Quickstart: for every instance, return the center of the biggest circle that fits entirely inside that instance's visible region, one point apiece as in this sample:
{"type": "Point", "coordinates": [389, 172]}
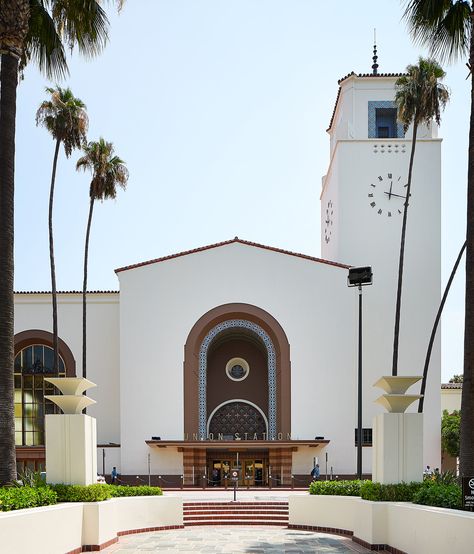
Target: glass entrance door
{"type": "Point", "coordinates": [252, 470]}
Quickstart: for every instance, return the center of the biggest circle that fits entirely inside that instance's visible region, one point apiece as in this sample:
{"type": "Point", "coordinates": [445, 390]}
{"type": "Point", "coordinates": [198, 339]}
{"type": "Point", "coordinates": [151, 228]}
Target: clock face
{"type": "Point", "coordinates": [328, 221]}
{"type": "Point", "coordinates": [387, 194]}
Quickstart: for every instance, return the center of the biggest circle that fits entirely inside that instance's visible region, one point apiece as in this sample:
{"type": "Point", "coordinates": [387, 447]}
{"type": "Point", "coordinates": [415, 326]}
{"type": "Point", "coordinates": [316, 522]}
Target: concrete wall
{"type": "Point", "coordinates": [66, 527]}
{"type": "Point", "coordinates": [33, 311]}
{"type": "Point", "coordinates": [408, 527]}
{"type": "Point", "coordinates": [161, 302]}
{"type": "Point", "coordinates": [450, 400]}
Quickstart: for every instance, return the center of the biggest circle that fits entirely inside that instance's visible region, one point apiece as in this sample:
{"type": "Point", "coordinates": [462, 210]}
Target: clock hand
{"type": "Point", "coordinates": [393, 194]}
{"type": "Point", "coordinates": [390, 193]}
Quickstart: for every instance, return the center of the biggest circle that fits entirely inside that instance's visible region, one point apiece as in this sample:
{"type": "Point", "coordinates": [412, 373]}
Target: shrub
{"type": "Point", "coordinates": [399, 492]}
{"type": "Point", "coordinates": [17, 498]}
{"type": "Point", "coordinates": [30, 478]}
{"type": "Point", "coordinates": [336, 488]}
{"type": "Point", "coordinates": [439, 494]}
{"type": "Point", "coordinates": [144, 490]}
{"type": "Point", "coordinates": [82, 493]}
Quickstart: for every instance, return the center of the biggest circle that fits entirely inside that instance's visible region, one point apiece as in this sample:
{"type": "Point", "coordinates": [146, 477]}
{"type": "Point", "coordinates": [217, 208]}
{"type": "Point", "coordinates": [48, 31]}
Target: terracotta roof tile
{"type": "Point", "coordinates": [451, 385]}
{"type": "Point", "coordinates": [235, 240]}
{"type": "Point", "coordinates": [66, 292]}
{"type": "Point", "coordinates": [353, 74]}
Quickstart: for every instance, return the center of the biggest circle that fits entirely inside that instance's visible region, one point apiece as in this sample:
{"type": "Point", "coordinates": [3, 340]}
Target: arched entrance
{"type": "Point", "coordinates": [258, 331]}
{"type": "Point", "coordinates": [268, 331]}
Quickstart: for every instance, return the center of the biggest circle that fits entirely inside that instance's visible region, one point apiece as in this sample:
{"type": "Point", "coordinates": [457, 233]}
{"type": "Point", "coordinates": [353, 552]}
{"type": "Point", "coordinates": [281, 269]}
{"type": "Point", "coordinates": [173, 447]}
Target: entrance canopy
{"type": "Point", "coordinates": [236, 444]}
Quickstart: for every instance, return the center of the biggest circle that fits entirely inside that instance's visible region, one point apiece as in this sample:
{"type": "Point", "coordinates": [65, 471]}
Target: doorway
{"type": "Point", "coordinates": [253, 469]}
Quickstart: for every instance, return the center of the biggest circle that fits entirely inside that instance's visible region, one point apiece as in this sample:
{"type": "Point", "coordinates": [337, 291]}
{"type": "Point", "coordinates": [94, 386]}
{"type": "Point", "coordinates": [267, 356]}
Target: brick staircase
{"type": "Point", "coordinates": [235, 513]}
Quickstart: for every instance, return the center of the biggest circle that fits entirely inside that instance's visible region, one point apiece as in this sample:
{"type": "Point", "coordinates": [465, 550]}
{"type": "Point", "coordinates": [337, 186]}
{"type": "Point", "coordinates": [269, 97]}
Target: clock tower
{"type": "Point", "coordinates": [362, 201]}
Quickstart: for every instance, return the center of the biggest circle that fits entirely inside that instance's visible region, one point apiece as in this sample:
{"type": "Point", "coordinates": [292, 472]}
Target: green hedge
{"type": "Point", "coordinates": [100, 492]}
{"type": "Point", "coordinates": [81, 493]}
{"type": "Point", "coordinates": [437, 494]}
{"type": "Point", "coordinates": [16, 498]}
{"type": "Point", "coordinates": [336, 488]}
{"type": "Point", "coordinates": [400, 492]}
{"type": "Point", "coordinates": [144, 490]}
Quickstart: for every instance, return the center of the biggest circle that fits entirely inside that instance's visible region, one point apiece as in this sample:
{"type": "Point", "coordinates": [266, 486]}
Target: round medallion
{"type": "Point", "coordinates": [237, 369]}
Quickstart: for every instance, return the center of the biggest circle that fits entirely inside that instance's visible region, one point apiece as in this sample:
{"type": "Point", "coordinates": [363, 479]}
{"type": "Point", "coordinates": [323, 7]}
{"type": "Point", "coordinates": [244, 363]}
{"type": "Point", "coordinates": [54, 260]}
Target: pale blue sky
{"type": "Point", "coordinates": [219, 108]}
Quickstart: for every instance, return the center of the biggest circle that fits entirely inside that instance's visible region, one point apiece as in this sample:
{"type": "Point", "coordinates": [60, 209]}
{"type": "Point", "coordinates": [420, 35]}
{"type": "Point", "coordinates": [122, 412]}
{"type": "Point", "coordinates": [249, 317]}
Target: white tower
{"type": "Point", "coordinates": [361, 215]}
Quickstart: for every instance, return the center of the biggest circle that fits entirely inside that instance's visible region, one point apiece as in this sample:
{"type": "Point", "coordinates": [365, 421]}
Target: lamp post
{"type": "Point", "coordinates": [359, 277]}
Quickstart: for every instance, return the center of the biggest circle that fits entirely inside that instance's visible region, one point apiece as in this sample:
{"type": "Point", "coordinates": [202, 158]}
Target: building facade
{"type": "Point", "coordinates": [240, 355]}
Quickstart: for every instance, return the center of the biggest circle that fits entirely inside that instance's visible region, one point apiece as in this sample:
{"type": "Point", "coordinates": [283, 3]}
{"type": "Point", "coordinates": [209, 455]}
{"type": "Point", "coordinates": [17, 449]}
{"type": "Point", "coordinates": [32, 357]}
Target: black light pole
{"type": "Point", "coordinates": [359, 277]}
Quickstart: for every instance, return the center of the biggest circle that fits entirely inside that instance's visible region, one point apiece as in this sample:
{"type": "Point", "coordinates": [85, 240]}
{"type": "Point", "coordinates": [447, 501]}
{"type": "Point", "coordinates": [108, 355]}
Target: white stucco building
{"type": "Point", "coordinates": [243, 354]}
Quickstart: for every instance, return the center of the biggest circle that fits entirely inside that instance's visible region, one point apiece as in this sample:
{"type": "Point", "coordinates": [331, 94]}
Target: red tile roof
{"type": "Point", "coordinates": [234, 240]}
{"type": "Point", "coordinates": [66, 292]}
{"type": "Point", "coordinates": [451, 385]}
{"type": "Point", "coordinates": [353, 74]}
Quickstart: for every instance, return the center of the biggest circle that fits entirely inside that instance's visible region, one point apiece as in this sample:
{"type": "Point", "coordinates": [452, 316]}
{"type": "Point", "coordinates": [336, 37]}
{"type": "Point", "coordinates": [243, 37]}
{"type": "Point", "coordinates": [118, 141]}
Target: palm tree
{"type": "Point", "coordinates": [65, 117]}
{"type": "Point", "coordinates": [420, 97]}
{"type": "Point", "coordinates": [30, 31]}
{"type": "Point", "coordinates": [108, 171]}
{"type": "Point", "coordinates": [14, 15]}
{"type": "Point", "coordinates": [447, 28]}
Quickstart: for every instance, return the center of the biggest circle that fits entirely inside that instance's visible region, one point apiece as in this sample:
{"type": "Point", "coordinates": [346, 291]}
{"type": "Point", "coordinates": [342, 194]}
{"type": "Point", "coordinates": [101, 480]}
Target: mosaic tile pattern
{"type": "Point", "coordinates": [377, 104]}
{"type": "Point", "coordinates": [237, 324]}
{"type": "Point", "coordinates": [225, 540]}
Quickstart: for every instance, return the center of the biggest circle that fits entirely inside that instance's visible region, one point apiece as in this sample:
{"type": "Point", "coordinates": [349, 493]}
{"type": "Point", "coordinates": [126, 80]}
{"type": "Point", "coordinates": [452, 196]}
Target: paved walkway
{"type": "Point", "coordinates": [243, 495]}
{"type": "Point", "coordinates": [234, 540]}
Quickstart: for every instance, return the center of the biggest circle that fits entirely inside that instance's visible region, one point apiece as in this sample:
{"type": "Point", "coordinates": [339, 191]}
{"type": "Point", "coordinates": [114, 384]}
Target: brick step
{"type": "Point", "coordinates": [236, 522]}
{"type": "Point", "coordinates": [234, 513]}
{"type": "Point", "coordinates": [218, 504]}
{"type": "Point", "coordinates": [235, 516]}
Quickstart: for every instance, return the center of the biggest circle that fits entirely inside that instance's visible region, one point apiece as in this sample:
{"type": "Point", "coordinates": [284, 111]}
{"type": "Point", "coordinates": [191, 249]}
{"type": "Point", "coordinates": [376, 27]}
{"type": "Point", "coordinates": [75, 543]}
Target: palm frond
{"type": "Point", "coordinates": [420, 96]}
{"type": "Point", "coordinates": [65, 117]}
{"type": "Point", "coordinates": [444, 26]}
{"type": "Point", "coordinates": [108, 170]}
{"type": "Point", "coordinates": [43, 44]}
{"type": "Point", "coordinates": [81, 23]}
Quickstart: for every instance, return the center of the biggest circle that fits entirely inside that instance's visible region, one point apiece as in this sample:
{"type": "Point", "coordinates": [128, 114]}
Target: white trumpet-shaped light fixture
{"type": "Point", "coordinates": [72, 401]}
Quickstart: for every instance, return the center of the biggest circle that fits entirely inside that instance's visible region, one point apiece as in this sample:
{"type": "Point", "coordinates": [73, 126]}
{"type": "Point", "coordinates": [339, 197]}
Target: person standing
{"type": "Point", "coordinates": [315, 473]}
{"type": "Point", "coordinates": [114, 475]}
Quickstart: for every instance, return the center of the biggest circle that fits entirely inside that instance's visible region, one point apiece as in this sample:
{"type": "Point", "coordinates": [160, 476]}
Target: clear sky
{"type": "Point", "coordinates": [219, 108]}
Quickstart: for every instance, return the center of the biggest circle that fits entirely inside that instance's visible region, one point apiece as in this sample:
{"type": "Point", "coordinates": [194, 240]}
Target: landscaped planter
{"type": "Point", "coordinates": [407, 527]}
{"type": "Point", "coordinates": [66, 528]}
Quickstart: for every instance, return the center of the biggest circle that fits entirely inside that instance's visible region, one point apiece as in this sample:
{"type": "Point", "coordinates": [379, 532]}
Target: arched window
{"type": "Point", "coordinates": [32, 364]}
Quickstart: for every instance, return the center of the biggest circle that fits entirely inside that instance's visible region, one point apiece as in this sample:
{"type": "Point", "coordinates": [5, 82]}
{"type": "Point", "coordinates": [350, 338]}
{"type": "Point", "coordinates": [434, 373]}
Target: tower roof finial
{"type": "Point", "coordinates": [375, 65]}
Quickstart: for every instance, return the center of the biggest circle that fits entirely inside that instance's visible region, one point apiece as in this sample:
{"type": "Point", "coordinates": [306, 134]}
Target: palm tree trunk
{"type": "Point", "coordinates": [51, 260]}
{"type": "Point", "coordinates": [396, 333]}
{"type": "Point", "coordinates": [84, 293]}
{"type": "Point", "coordinates": [466, 455]}
{"type": "Point", "coordinates": [435, 328]}
{"type": "Point", "coordinates": [9, 82]}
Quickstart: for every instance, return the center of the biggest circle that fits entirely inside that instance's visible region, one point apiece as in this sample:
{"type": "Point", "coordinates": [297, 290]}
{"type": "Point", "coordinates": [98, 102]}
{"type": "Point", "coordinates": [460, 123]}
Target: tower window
{"type": "Point", "coordinates": [382, 120]}
{"type": "Point", "coordinates": [386, 122]}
